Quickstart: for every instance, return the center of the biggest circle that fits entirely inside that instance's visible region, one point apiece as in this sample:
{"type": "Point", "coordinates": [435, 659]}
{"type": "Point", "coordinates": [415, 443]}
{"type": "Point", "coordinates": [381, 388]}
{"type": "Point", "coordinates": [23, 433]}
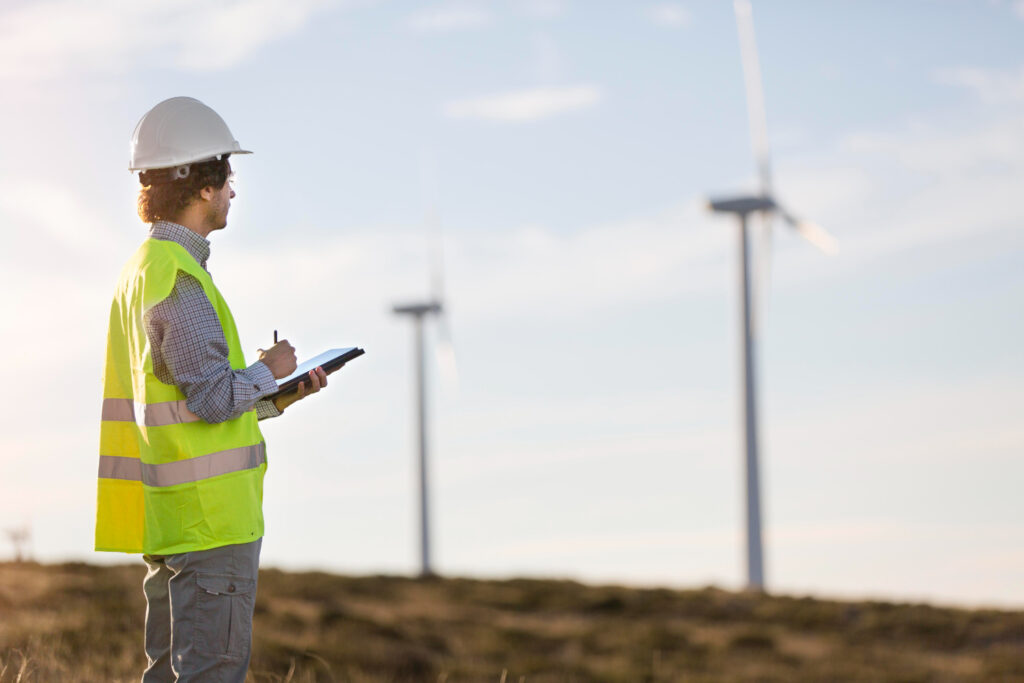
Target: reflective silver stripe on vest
{"type": "Point", "coordinates": [153, 414]}
{"type": "Point", "coordinates": [184, 471]}
{"type": "Point", "coordinates": [116, 467]}
{"type": "Point", "coordinates": [118, 410]}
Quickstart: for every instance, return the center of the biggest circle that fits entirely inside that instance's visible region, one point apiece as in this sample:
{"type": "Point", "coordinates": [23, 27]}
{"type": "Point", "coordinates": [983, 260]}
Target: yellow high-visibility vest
{"type": "Point", "coordinates": [170, 482]}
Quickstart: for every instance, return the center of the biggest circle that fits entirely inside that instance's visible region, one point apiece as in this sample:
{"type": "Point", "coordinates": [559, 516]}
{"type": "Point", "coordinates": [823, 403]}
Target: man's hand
{"type": "Point", "coordinates": [317, 381]}
{"type": "Point", "coordinates": [280, 359]}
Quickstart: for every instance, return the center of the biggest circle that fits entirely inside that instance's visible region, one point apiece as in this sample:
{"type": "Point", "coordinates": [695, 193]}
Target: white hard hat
{"type": "Point", "coordinates": [180, 131]}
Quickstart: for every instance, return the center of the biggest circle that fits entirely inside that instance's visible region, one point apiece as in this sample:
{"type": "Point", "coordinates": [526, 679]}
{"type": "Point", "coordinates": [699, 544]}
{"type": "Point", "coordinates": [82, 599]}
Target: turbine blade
{"type": "Point", "coordinates": [813, 233]}
{"type": "Point", "coordinates": [757, 118]}
{"type": "Point", "coordinates": [435, 237]}
{"type": "Point", "coordinates": [817, 236]}
{"type": "Point", "coordinates": [756, 114]}
{"type": "Point", "coordinates": [447, 361]}
{"type": "Point", "coordinates": [445, 352]}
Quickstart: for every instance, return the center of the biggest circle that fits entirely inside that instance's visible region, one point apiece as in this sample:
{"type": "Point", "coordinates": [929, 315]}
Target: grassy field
{"type": "Point", "coordinates": [77, 623]}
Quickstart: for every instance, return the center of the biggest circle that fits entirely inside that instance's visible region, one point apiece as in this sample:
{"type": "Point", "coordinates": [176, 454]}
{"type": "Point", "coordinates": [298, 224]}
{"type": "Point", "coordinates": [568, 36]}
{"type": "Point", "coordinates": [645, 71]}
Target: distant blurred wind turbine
{"type": "Point", "coordinates": [21, 539]}
{"type": "Point", "coordinates": [766, 206]}
{"type": "Point", "coordinates": [446, 358]}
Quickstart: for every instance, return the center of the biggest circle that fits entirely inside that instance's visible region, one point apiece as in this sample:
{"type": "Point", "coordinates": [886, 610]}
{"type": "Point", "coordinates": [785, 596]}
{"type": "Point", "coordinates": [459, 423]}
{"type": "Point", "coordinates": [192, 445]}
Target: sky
{"type": "Point", "coordinates": [554, 158]}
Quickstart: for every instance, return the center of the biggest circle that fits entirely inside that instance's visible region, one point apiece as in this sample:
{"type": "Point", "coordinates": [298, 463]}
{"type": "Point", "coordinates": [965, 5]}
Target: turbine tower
{"type": "Point", "coordinates": [766, 206]}
{"type": "Point", "coordinates": [418, 311]}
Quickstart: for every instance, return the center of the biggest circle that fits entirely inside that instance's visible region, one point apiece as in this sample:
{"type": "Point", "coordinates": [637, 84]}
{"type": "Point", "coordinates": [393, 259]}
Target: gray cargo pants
{"type": "Point", "coordinates": [199, 609]}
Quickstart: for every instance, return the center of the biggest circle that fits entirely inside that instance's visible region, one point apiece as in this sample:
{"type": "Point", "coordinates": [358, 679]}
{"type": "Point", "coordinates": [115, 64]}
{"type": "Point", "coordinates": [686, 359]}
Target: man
{"type": "Point", "coordinates": [181, 455]}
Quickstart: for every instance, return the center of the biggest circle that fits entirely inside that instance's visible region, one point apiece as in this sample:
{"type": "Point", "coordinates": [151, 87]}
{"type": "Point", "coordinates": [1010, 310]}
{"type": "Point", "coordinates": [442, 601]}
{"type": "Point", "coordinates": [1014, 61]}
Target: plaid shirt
{"type": "Point", "coordinates": [189, 349]}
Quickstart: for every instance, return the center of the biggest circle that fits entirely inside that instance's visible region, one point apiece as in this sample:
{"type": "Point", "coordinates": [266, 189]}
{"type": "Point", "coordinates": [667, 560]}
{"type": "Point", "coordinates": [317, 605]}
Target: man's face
{"type": "Point", "coordinates": [220, 203]}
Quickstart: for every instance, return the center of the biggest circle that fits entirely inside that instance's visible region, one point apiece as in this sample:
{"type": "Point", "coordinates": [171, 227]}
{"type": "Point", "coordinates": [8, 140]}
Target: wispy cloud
{"type": "Point", "coordinates": [992, 86]}
{"type": "Point", "coordinates": [54, 37]}
{"type": "Point", "coordinates": [445, 18]}
{"type": "Point", "coordinates": [525, 105]}
{"type": "Point", "coordinates": [670, 14]}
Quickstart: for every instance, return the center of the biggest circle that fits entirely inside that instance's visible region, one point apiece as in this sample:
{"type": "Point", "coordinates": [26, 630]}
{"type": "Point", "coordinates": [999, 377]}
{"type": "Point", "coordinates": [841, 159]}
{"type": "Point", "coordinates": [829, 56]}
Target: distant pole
{"type": "Point", "coordinates": [418, 311]}
{"type": "Point", "coordinates": [20, 538]}
{"type": "Point", "coordinates": [743, 207]}
{"type": "Point", "coordinates": [755, 561]}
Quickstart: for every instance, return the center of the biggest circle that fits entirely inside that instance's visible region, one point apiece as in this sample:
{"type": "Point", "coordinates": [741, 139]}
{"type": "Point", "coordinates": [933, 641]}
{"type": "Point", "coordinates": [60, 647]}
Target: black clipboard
{"type": "Point", "coordinates": [331, 360]}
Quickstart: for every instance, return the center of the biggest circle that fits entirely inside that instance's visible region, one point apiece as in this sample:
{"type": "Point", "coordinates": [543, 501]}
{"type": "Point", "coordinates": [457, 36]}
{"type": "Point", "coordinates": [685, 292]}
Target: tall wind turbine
{"type": "Point", "coordinates": [766, 206]}
{"type": "Point", "coordinates": [418, 311]}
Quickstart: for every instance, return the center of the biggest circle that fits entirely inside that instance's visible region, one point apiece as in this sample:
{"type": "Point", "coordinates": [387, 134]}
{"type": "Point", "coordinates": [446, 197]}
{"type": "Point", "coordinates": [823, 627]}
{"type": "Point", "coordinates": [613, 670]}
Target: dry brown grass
{"type": "Point", "coordinates": [79, 623]}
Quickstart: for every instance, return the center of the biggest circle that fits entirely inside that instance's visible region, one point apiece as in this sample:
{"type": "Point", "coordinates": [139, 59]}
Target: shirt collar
{"type": "Point", "coordinates": [195, 244]}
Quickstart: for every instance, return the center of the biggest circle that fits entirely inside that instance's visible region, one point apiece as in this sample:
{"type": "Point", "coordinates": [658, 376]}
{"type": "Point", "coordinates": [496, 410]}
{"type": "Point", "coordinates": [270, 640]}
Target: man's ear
{"type": "Point", "coordinates": [207, 193]}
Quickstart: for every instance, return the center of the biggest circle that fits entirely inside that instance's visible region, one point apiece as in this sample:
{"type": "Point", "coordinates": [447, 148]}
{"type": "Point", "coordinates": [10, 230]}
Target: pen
{"type": "Point", "coordinates": [275, 336]}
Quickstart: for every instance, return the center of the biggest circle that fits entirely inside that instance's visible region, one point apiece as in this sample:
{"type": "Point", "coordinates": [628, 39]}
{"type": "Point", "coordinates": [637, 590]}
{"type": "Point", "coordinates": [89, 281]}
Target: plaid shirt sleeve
{"type": "Point", "coordinates": [189, 350]}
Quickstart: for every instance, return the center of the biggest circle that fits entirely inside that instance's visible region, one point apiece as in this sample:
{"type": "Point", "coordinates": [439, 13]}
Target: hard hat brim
{"type": "Point", "coordinates": [161, 163]}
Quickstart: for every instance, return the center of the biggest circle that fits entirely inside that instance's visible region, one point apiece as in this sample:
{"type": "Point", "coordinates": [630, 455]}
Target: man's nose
{"type": "Point", "coordinates": [232, 193]}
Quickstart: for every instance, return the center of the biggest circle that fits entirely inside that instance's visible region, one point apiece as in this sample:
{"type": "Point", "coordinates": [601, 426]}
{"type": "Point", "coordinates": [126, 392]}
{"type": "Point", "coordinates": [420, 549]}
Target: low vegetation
{"type": "Point", "coordinates": [76, 623]}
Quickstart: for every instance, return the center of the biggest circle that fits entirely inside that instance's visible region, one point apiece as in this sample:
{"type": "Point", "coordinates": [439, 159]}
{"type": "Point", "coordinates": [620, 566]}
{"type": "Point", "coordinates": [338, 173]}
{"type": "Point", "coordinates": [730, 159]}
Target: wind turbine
{"type": "Point", "coordinates": [418, 311]}
{"type": "Point", "coordinates": [765, 205]}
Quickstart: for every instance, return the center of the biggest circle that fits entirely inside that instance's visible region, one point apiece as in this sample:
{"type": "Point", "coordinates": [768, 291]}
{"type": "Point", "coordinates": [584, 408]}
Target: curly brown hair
{"type": "Point", "coordinates": [163, 199]}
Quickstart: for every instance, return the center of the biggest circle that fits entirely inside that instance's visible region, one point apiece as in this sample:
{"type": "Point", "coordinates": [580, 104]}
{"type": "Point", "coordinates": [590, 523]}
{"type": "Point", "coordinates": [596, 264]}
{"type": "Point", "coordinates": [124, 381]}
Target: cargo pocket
{"type": "Point", "coordinates": [224, 614]}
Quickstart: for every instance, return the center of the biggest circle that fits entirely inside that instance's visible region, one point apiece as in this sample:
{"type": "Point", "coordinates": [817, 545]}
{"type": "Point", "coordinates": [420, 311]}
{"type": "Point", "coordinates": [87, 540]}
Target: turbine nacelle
{"type": "Point", "coordinates": [418, 310]}
{"type": "Point", "coordinates": [742, 205]}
